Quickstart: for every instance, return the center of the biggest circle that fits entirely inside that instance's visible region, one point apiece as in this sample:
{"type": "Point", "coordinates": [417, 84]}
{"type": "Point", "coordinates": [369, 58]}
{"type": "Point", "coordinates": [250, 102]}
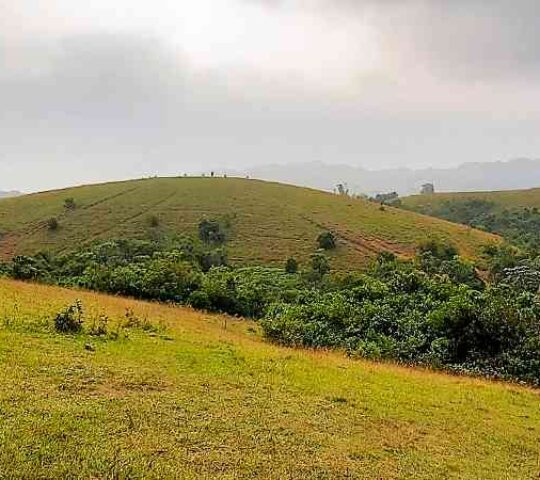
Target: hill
{"type": "Point", "coordinates": [501, 199]}
{"type": "Point", "coordinates": [513, 214]}
{"type": "Point", "coordinates": [182, 394]}
{"type": "Point", "coordinates": [269, 221]}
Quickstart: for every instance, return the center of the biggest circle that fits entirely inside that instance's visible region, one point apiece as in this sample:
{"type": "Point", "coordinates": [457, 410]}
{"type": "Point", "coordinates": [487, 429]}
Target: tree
{"type": "Point", "coordinates": [291, 266]}
{"type": "Point", "coordinates": [342, 189]}
{"type": "Point", "coordinates": [326, 241]}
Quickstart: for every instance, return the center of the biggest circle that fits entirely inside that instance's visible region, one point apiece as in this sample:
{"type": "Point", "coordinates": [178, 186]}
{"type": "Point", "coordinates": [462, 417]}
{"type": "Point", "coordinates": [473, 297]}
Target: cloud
{"type": "Point", "coordinates": [98, 90]}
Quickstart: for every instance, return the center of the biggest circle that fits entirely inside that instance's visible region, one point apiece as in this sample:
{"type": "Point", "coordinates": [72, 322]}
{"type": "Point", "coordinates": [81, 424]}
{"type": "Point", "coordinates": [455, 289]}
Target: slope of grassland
{"type": "Point", "coordinates": [501, 199]}
{"type": "Point", "coordinates": [269, 221]}
{"type": "Point", "coordinates": [204, 396]}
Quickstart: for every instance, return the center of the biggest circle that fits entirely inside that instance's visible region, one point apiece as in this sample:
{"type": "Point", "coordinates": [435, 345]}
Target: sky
{"type": "Point", "coordinates": [111, 89]}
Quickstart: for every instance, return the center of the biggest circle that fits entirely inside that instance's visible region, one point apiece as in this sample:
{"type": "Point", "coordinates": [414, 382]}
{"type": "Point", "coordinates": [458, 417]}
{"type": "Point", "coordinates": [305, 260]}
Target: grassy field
{"type": "Point", "coordinates": [270, 221]}
{"type": "Point", "coordinates": [203, 396]}
{"type": "Point", "coordinates": [503, 199]}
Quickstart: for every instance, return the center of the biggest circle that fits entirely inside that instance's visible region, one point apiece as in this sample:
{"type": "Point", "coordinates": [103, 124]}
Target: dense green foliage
{"type": "Point", "coordinates": [434, 310]}
{"type": "Point", "coordinates": [519, 225]}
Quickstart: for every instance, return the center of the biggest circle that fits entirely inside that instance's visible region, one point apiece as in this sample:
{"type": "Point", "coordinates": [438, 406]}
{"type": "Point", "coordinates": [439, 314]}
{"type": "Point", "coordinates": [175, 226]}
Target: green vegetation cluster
{"type": "Point", "coordinates": [433, 310]}
{"type": "Point", "coordinates": [518, 225]}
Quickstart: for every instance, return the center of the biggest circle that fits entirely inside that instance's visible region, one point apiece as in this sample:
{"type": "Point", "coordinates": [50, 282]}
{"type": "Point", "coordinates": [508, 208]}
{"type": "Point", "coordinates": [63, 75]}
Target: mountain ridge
{"type": "Point", "coordinates": [520, 173]}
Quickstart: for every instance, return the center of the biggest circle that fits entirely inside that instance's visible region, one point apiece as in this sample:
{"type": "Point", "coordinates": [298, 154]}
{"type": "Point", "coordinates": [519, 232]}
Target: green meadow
{"type": "Point", "coordinates": [188, 395]}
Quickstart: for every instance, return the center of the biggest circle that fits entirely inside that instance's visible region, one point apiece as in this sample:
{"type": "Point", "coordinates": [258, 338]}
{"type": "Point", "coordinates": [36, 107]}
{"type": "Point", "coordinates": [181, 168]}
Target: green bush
{"type": "Point", "coordinates": [70, 320]}
{"type": "Point", "coordinates": [211, 231]}
{"type": "Point", "coordinates": [291, 265]}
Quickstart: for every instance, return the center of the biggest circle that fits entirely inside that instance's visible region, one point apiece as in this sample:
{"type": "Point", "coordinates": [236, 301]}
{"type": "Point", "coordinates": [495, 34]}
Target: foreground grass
{"type": "Point", "coordinates": [202, 396]}
{"type": "Point", "coordinates": [269, 221]}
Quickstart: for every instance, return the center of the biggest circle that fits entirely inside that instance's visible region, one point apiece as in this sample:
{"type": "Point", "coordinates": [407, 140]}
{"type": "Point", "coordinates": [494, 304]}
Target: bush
{"type": "Point", "coordinates": [438, 249]}
{"type": "Point", "coordinates": [70, 320]}
{"type": "Point", "coordinates": [99, 326]}
{"type": "Point", "coordinates": [326, 241]}
{"type": "Point", "coordinates": [320, 265]}
{"type": "Point", "coordinates": [52, 224]}
{"type": "Point", "coordinates": [211, 231]}
{"type": "Point", "coordinates": [153, 221]}
{"type": "Point", "coordinates": [69, 203]}
{"type": "Point", "coordinates": [28, 268]}
{"type": "Point", "coordinates": [291, 265]}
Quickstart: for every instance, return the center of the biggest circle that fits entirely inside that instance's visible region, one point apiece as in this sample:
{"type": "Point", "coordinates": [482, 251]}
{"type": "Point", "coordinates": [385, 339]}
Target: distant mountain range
{"type": "Point", "coordinates": [12, 193]}
{"type": "Point", "coordinates": [510, 175]}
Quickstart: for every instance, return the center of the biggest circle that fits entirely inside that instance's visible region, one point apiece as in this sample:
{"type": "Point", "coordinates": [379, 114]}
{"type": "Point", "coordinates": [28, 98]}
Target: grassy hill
{"type": "Point", "coordinates": [269, 221]}
{"type": "Point", "coordinates": [515, 215]}
{"type": "Point", "coordinates": [502, 199]}
{"type": "Point", "coordinates": [192, 395]}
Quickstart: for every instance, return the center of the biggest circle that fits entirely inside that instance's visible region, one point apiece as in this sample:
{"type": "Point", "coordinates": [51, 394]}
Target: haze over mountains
{"type": "Point", "coordinates": [11, 193]}
{"type": "Point", "coordinates": [510, 175]}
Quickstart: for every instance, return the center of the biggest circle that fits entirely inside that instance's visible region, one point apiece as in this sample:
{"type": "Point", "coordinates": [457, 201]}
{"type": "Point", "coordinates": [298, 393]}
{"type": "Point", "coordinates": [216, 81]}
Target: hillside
{"type": "Point", "coordinates": [202, 396]}
{"type": "Point", "coordinates": [501, 199]}
{"type": "Point", "coordinates": [514, 215]}
{"type": "Point", "coordinates": [269, 221]}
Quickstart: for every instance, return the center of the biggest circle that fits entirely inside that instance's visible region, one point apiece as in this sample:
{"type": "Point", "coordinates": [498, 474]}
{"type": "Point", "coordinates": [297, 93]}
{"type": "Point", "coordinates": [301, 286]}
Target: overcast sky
{"type": "Point", "coordinates": [92, 90]}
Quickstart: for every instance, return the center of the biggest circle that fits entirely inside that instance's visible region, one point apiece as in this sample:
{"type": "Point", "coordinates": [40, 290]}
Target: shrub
{"type": "Point", "coordinates": [99, 326]}
{"type": "Point", "coordinates": [70, 320]}
{"type": "Point", "coordinates": [69, 203]}
{"type": "Point", "coordinates": [215, 258]}
{"type": "Point", "coordinates": [27, 268]}
{"type": "Point", "coordinates": [133, 321]}
{"type": "Point", "coordinates": [291, 265]}
{"type": "Point", "coordinates": [326, 241]}
{"type": "Point", "coordinates": [440, 250]}
{"type": "Point", "coordinates": [211, 231]}
{"type": "Point", "coordinates": [153, 221]}
{"type": "Point", "coordinates": [320, 265]}
{"type": "Point", "coordinates": [52, 224]}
